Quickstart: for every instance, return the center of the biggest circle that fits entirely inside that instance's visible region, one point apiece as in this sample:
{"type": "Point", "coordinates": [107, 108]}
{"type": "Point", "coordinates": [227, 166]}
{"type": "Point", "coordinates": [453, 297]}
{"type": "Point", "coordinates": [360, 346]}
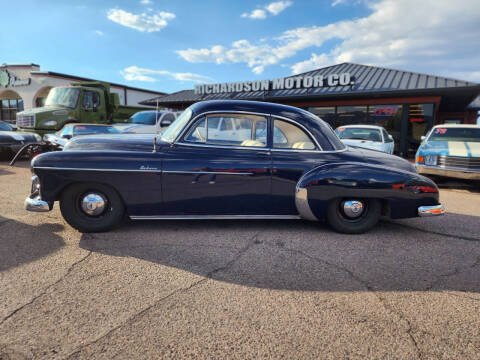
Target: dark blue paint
{"type": "Point", "coordinates": [169, 179]}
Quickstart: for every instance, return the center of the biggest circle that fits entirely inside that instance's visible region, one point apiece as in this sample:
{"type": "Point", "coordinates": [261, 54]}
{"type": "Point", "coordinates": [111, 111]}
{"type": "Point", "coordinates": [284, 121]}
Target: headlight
{"type": "Point", "coordinates": [50, 123]}
{"type": "Point", "coordinates": [38, 137]}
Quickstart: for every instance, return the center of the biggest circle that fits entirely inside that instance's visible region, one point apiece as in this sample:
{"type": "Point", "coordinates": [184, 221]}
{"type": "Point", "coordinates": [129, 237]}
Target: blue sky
{"type": "Point", "coordinates": [172, 45]}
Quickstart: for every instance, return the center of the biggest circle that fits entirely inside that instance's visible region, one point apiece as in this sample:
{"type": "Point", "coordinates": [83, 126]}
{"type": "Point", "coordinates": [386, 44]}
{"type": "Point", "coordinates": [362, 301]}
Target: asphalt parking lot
{"type": "Point", "coordinates": [238, 289]}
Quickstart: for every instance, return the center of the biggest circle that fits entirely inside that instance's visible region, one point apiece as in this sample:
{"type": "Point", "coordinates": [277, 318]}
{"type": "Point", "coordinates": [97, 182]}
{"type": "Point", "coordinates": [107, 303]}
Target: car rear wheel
{"type": "Point", "coordinates": [91, 207]}
{"type": "Point", "coordinates": [353, 216]}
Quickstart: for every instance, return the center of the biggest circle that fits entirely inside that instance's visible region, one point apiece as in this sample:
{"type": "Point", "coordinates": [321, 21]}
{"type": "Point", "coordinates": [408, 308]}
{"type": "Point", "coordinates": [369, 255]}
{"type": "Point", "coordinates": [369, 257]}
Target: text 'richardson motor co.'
{"type": "Point", "coordinates": [296, 82]}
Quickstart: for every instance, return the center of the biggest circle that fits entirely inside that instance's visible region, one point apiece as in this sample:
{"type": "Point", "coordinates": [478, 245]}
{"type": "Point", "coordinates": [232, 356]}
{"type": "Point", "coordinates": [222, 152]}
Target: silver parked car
{"type": "Point", "coordinates": [366, 136]}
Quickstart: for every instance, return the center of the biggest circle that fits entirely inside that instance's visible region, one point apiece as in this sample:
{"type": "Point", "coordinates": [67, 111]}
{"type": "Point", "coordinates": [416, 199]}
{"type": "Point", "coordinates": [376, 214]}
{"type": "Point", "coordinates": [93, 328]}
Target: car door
{"type": "Point", "coordinates": [218, 171]}
{"type": "Point", "coordinates": [92, 109]}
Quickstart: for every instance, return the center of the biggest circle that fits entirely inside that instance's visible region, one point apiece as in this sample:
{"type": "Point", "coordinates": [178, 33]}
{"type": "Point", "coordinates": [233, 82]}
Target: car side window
{"type": "Point", "coordinates": [289, 136]}
{"type": "Point", "coordinates": [385, 136]}
{"type": "Point", "coordinates": [230, 130]}
{"type": "Point", "coordinates": [67, 130]}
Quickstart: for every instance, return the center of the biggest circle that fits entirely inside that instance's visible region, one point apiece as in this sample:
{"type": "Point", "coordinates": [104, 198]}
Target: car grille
{"type": "Point", "coordinates": [25, 121]}
{"type": "Point", "coordinates": [459, 162]}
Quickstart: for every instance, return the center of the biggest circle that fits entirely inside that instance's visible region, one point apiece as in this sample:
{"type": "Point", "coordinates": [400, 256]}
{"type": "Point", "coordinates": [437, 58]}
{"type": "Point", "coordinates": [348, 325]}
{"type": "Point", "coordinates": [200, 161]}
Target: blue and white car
{"type": "Point", "coordinates": [366, 136]}
{"type": "Point", "coordinates": [450, 150]}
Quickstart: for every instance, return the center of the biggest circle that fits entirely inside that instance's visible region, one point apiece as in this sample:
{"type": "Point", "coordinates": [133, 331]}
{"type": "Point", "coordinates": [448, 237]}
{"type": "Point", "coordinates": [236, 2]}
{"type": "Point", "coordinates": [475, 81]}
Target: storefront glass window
{"type": "Point", "coordinates": [420, 120]}
{"type": "Point", "coordinates": [9, 109]}
{"type": "Point", "coordinates": [347, 115]}
{"type": "Point", "coordinates": [388, 116]}
{"type": "Point", "coordinates": [326, 113]}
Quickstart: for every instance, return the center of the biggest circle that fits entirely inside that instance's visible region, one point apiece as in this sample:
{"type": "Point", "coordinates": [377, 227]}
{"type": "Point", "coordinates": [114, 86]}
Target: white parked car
{"type": "Point", "coordinates": [366, 136]}
{"type": "Point", "coordinates": [148, 122]}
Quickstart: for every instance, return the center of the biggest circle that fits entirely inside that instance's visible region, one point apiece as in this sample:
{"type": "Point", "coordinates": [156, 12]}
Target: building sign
{"type": "Point", "coordinates": [7, 79]}
{"type": "Point", "coordinates": [385, 110]}
{"type": "Point", "coordinates": [295, 82]}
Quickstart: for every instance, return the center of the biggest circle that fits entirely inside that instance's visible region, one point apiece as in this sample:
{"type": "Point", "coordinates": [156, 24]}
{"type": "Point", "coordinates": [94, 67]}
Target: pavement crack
{"type": "Point", "coordinates": [459, 237]}
{"type": "Point", "coordinates": [45, 290]}
{"type": "Point", "coordinates": [207, 277]}
{"type": "Point", "coordinates": [369, 288]}
{"type": "Point", "coordinates": [456, 271]}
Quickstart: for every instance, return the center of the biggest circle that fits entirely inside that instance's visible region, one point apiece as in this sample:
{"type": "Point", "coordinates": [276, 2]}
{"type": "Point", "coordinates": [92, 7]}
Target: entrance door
{"type": "Point", "coordinates": [217, 170]}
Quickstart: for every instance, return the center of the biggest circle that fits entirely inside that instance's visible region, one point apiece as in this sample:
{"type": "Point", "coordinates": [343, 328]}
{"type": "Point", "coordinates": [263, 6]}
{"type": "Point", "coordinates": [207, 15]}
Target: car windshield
{"type": "Point", "coordinates": [176, 127]}
{"type": "Point", "coordinates": [455, 134]}
{"type": "Point", "coordinates": [145, 118]}
{"type": "Point", "coordinates": [64, 96]}
{"type": "Point", "coordinates": [92, 129]}
{"type": "Point", "coordinates": [359, 134]}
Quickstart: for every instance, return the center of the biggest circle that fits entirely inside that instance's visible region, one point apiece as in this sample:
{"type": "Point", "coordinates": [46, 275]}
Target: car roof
{"type": "Point", "coordinates": [458, 126]}
{"type": "Point", "coordinates": [362, 126]}
{"type": "Point", "coordinates": [83, 124]}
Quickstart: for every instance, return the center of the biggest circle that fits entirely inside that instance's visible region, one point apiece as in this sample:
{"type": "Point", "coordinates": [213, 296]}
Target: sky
{"type": "Point", "coordinates": [173, 45]}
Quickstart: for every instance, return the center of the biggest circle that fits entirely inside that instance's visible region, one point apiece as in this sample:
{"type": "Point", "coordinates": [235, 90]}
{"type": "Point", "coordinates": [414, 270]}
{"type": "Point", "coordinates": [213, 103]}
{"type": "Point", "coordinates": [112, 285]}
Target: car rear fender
{"type": "Point", "coordinates": [401, 192]}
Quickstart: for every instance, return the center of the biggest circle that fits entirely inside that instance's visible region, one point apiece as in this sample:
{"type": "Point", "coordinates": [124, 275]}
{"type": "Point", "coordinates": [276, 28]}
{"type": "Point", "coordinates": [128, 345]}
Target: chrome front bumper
{"type": "Point", "coordinates": [448, 172]}
{"type": "Point", "coordinates": [434, 210]}
{"type": "Point", "coordinates": [36, 204]}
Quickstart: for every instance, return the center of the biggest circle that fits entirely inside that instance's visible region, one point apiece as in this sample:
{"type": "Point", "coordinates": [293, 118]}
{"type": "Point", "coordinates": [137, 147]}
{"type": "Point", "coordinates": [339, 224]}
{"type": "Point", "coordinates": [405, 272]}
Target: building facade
{"type": "Point", "coordinates": [24, 86]}
{"type": "Point", "coordinates": [406, 104]}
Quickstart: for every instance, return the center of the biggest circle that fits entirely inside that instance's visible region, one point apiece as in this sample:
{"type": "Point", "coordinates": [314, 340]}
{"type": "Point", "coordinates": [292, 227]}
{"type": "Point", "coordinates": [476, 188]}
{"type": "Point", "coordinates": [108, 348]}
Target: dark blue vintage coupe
{"type": "Point", "coordinates": [230, 160]}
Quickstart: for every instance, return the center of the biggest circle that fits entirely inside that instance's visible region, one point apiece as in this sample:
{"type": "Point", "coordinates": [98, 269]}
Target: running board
{"type": "Point", "coordinates": [213, 217]}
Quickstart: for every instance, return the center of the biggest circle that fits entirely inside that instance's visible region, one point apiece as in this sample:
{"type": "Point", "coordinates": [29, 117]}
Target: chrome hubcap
{"type": "Point", "coordinates": [353, 208]}
{"type": "Point", "coordinates": [93, 204]}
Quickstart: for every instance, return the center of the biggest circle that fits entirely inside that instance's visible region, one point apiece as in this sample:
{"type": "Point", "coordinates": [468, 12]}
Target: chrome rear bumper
{"type": "Point", "coordinates": [36, 205]}
{"type": "Point", "coordinates": [434, 210]}
{"type": "Point", "coordinates": [449, 172]}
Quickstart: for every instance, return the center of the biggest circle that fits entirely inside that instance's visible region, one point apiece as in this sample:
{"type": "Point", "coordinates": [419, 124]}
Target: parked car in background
{"type": "Point", "coordinates": [366, 136]}
{"type": "Point", "coordinates": [450, 150]}
{"type": "Point", "coordinates": [11, 141]}
{"type": "Point", "coordinates": [148, 122]}
{"type": "Point", "coordinates": [306, 173]}
{"type": "Point", "coordinates": [69, 131]}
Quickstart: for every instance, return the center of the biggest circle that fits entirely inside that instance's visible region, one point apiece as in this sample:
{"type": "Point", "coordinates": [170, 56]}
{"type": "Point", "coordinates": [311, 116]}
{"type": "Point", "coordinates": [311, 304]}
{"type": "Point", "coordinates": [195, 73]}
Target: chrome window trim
{"type": "Point", "coordinates": [225, 146]}
{"type": "Point", "coordinates": [91, 169]}
{"type": "Point", "coordinates": [212, 217]}
{"type": "Point", "coordinates": [193, 120]}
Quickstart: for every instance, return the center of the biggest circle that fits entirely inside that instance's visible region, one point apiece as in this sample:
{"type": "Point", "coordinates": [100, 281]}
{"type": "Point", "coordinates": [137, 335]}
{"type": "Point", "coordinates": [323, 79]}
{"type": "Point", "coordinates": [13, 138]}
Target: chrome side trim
{"type": "Point", "coordinates": [36, 204]}
{"type": "Point", "coordinates": [90, 169]}
{"type": "Point", "coordinates": [434, 210]}
{"type": "Point", "coordinates": [301, 202]}
{"type": "Point", "coordinates": [212, 217]}
{"type": "Point", "coordinates": [207, 172]}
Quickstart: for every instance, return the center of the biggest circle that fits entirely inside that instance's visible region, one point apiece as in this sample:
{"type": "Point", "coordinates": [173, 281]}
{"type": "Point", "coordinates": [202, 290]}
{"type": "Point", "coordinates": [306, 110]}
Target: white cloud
{"type": "Point", "coordinates": [146, 2]}
{"type": "Point", "coordinates": [148, 22]}
{"type": "Point", "coordinates": [132, 73]}
{"type": "Point", "coordinates": [256, 14]}
{"type": "Point", "coordinates": [273, 8]}
{"type": "Point", "coordinates": [277, 7]}
{"type": "Point", "coordinates": [99, 32]}
{"type": "Point", "coordinates": [427, 36]}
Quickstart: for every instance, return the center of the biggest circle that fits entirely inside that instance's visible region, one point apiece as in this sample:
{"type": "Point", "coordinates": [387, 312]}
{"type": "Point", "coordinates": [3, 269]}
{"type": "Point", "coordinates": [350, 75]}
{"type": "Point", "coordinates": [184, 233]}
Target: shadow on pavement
{"type": "Point", "coordinates": [22, 243]}
{"type": "Point", "coordinates": [299, 255]}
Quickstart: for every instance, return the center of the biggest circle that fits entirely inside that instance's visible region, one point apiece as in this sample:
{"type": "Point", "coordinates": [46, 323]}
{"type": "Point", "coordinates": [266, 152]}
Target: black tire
{"type": "Point", "coordinates": [70, 206]}
{"type": "Point", "coordinates": [341, 223]}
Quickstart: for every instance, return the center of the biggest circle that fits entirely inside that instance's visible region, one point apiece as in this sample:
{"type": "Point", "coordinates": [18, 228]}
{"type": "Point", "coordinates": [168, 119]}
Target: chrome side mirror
{"type": "Point", "coordinates": [423, 137]}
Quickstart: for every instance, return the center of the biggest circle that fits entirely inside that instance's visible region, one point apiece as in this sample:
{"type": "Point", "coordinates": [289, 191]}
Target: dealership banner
{"type": "Point", "coordinates": [295, 82]}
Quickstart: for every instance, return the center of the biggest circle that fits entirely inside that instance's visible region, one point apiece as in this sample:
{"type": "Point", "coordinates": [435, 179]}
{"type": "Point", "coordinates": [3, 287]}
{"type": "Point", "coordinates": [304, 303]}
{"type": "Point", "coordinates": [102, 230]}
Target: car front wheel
{"type": "Point", "coordinates": [353, 216]}
{"type": "Point", "coordinates": [91, 207]}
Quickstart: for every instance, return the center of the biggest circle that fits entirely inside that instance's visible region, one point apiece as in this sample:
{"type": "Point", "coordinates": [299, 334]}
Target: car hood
{"type": "Point", "coordinates": [450, 148]}
{"type": "Point", "coordinates": [11, 137]}
{"type": "Point", "coordinates": [120, 142]}
{"type": "Point", "coordinates": [363, 143]}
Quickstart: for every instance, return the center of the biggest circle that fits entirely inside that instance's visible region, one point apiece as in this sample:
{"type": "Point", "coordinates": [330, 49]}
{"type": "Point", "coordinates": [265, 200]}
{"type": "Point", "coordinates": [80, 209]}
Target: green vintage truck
{"type": "Point", "coordinates": [82, 102]}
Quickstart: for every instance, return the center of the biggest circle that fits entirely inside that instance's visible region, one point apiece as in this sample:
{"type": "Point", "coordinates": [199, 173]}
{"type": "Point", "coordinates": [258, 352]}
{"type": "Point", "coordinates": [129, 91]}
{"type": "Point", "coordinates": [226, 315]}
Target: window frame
{"type": "Point", "coordinates": [179, 139]}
